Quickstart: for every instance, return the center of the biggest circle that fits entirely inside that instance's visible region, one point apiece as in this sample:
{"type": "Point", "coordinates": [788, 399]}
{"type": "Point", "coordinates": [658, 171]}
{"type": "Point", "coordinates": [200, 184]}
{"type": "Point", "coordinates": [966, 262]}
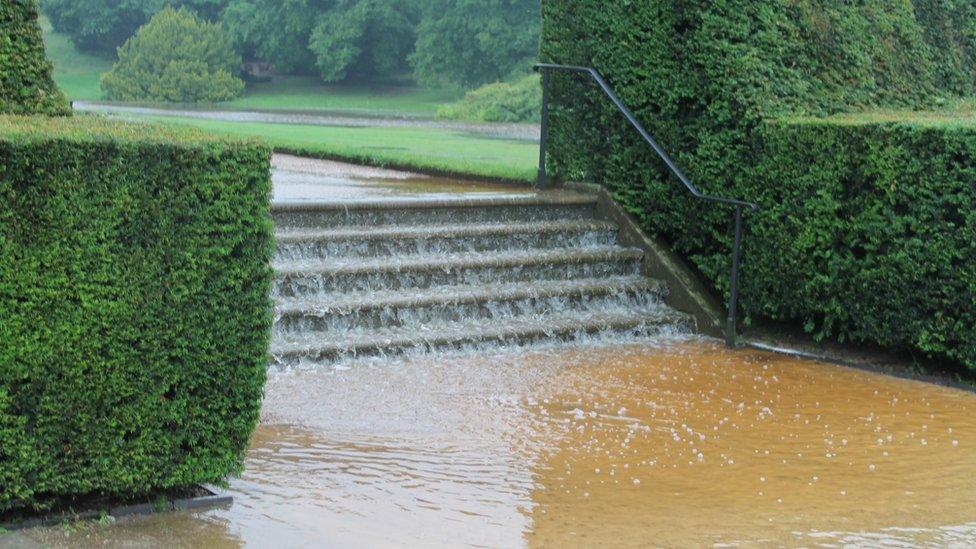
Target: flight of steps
{"type": "Point", "coordinates": [385, 277]}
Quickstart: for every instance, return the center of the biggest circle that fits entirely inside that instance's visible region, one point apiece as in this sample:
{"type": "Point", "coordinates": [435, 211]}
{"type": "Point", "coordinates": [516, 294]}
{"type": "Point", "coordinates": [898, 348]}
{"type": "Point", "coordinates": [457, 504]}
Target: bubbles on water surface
{"type": "Point", "coordinates": [619, 441]}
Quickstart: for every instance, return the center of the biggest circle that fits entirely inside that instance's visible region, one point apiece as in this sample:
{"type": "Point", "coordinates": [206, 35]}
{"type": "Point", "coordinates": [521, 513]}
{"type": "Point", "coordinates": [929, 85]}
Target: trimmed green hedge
{"type": "Point", "coordinates": [706, 78]}
{"type": "Point", "coordinates": [868, 232]}
{"type": "Point", "coordinates": [26, 84]}
{"type": "Point", "coordinates": [134, 283]}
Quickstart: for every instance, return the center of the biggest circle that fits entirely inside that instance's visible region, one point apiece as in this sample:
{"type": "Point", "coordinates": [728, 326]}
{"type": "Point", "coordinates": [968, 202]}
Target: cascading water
{"type": "Point", "coordinates": [386, 277]}
{"type": "Point", "coordinates": [631, 438]}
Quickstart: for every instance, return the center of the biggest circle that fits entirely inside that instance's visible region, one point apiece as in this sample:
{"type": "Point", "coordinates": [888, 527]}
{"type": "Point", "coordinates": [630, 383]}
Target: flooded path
{"type": "Point", "coordinates": [347, 119]}
{"type": "Point", "coordinates": [297, 179]}
{"type": "Point", "coordinates": [673, 442]}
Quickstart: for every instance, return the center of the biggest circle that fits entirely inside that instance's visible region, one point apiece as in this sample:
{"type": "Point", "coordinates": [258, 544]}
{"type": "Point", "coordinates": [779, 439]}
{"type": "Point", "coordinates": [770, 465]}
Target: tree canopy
{"type": "Point", "coordinates": [463, 43]}
{"type": "Point", "coordinates": [103, 25]}
{"type": "Point", "coordinates": [472, 42]}
{"type": "Point", "coordinates": [276, 31]}
{"type": "Point", "coordinates": [364, 39]}
{"type": "Point", "coordinates": [175, 57]}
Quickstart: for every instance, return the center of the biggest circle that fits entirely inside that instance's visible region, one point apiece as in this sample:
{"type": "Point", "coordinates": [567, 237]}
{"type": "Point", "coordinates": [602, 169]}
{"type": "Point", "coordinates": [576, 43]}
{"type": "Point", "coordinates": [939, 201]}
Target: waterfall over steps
{"type": "Point", "coordinates": [392, 276]}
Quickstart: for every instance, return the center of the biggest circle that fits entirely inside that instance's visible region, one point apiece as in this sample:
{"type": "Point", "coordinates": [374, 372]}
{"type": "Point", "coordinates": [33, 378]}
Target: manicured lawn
{"type": "Point", "coordinates": [298, 93]}
{"type": "Point", "coordinates": [418, 148]}
{"type": "Point", "coordinates": [78, 74]}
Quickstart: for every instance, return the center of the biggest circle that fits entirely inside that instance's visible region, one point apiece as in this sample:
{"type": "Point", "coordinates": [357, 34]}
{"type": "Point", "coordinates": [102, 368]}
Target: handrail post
{"type": "Point", "coordinates": [543, 137]}
{"type": "Point", "coordinates": [731, 329]}
{"type": "Point", "coordinates": [544, 69]}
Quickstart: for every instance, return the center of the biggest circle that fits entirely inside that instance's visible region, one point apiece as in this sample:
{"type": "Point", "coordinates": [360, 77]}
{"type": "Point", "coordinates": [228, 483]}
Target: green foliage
{"type": "Point", "coordinates": [360, 39]}
{"type": "Point", "coordinates": [26, 85]}
{"type": "Point", "coordinates": [705, 78]}
{"type": "Point", "coordinates": [134, 283]}
{"type": "Point", "coordinates": [518, 101]}
{"type": "Point", "coordinates": [365, 39]}
{"type": "Point", "coordinates": [175, 57]}
{"type": "Point", "coordinates": [277, 31]}
{"type": "Point", "coordinates": [950, 28]}
{"type": "Point", "coordinates": [468, 43]}
{"type": "Point", "coordinates": [103, 25]}
{"type": "Point", "coordinates": [460, 43]}
{"type": "Point", "coordinates": [870, 235]}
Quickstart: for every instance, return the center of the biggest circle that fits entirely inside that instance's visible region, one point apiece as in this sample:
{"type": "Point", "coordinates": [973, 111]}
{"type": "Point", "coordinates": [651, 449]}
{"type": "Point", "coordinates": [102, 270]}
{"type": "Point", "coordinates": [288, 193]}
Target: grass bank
{"type": "Point", "coordinates": [422, 149]}
{"type": "Point", "coordinates": [306, 93]}
{"type": "Point", "coordinates": [78, 74]}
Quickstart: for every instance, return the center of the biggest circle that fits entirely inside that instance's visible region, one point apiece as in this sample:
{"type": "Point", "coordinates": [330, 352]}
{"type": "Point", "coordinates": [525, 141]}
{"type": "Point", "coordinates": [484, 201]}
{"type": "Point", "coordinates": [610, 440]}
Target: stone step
{"type": "Point", "coordinates": [322, 279]}
{"type": "Point", "coordinates": [492, 302]}
{"type": "Point", "coordinates": [425, 211]}
{"type": "Point", "coordinates": [306, 244]}
{"type": "Point", "coordinates": [313, 350]}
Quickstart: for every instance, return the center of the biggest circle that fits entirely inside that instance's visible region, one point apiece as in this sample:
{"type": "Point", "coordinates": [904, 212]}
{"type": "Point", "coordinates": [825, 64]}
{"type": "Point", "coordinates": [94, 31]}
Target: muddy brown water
{"type": "Point", "coordinates": [666, 443]}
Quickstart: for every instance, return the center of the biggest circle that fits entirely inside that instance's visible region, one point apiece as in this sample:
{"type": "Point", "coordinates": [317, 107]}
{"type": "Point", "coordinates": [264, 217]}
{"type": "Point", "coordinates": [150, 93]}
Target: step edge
{"type": "Point", "coordinates": [649, 285]}
{"type": "Point", "coordinates": [561, 199]}
{"type": "Point", "coordinates": [476, 260]}
{"type": "Point", "coordinates": [472, 336]}
{"type": "Point", "coordinates": [444, 231]}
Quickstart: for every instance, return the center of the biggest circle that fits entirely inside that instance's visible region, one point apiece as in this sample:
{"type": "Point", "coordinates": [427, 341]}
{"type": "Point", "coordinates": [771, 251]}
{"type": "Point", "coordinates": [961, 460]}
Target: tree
{"type": "Point", "coordinates": [462, 43]}
{"type": "Point", "coordinates": [365, 39]}
{"type": "Point", "coordinates": [175, 57]}
{"type": "Point", "coordinates": [342, 38]}
{"type": "Point", "coordinates": [26, 85]}
{"type": "Point", "coordinates": [103, 25]}
{"type": "Point", "coordinates": [276, 31]}
{"type": "Point", "coordinates": [467, 43]}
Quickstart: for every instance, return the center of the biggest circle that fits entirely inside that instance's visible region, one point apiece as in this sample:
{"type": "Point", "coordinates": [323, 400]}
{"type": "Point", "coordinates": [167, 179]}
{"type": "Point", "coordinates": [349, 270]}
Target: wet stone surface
{"type": "Point", "coordinates": [673, 442]}
{"type": "Point", "coordinates": [306, 179]}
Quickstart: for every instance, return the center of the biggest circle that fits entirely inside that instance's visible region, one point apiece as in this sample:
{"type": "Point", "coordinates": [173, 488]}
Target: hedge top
{"type": "Point", "coordinates": [758, 58]}
{"type": "Point", "coordinates": [91, 128]}
{"type": "Point", "coordinates": [26, 82]}
{"type": "Point", "coordinates": [942, 120]}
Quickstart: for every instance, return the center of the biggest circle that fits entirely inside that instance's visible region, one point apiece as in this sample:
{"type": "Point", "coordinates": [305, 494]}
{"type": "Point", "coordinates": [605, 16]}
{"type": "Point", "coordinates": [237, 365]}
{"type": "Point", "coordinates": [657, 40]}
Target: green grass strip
{"type": "Point", "coordinates": [422, 149]}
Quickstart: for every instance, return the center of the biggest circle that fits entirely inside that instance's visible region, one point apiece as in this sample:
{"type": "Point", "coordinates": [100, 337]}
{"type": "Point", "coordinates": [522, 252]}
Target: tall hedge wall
{"type": "Point", "coordinates": [706, 77]}
{"type": "Point", "coordinates": [134, 283]}
{"type": "Point", "coordinates": [871, 233]}
{"type": "Point", "coordinates": [26, 84]}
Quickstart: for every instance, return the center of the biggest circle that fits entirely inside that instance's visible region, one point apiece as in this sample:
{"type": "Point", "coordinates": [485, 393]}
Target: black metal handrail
{"type": "Point", "coordinates": [545, 68]}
